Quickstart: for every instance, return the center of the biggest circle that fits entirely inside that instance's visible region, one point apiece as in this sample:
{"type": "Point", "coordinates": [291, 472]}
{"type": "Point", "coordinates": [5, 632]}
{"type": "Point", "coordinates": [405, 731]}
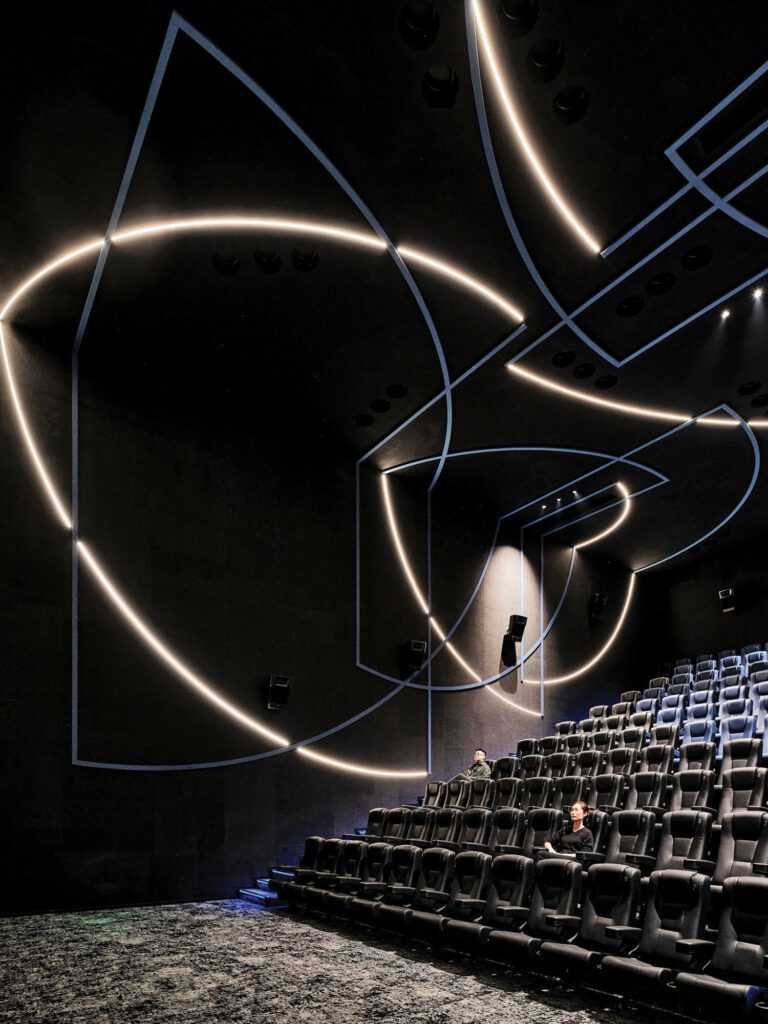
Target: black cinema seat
{"type": "Point", "coordinates": [474, 832]}
{"type": "Point", "coordinates": [697, 755]}
{"type": "Point", "coordinates": [541, 823]}
{"type": "Point", "coordinates": [676, 909]}
{"type": "Point", "coordinates": [576, 742]}
{"type": "Point", "coordinates": [606, 792]}
{"type": "Point", "coordinates": [737, 976]}
{"type": "Point", "coordinates": [685, 835]}
{"type": "Point", "coordinates": [568, 790]}
{"type": "Point", "coordinates": [527, 746]}
{"type": "Point", "coordinates": [624, 707]}
{"type": "Point", "coordinates": [457, 793]}
{"type": "Point", "coordinates": [555, 899]}
{"type": "Point", "coordinates": [421, 826]}
{"type": "Point", "coordinates": [434, 793]}
{"type": "Point", "coordinates": [630, 841]}
{"type": "Point", "coordinates": [351, 856]}
{"type": "Point", "coordinates": [631, 696]}
{"type": "Point", "coordinates": [551, 745]}
{"type": "Point", "coordinates": [590, 726]}
{"type": "Point", "coordinates": [615, 723]}
{"type": "Point", "coordinates": [693, 789]}
{"type": "Point", "coordinates": [633, 736]}
{"type": "Point", "coordinates": [656, 758]}
{"type": "Point", "coordinates": [599, 711]}
{"type": "Point", "coordinates": [665, 735]}
{"type": "Point", "coordinates": [610, 902]}
{"type": "Point", "coordinates": [324, 874]}
{"type": "Point", "coordinates": [744, 753]}
{"type": "Point", "coordinates": [396, 825]}
{"type": "Point", "coordinates": [560, 765]}
{"type": "Point", "coordinates": [481, 793]}
{"type": "Point", "coordinates": [565, 728]}
{"type": "Point", "coordinates": [743, 789]}
{"type": "Point", "coordinates": [589, 763]}
{"type": "Point", "coordinates": [620, 761]}
{"type": "Point", "coordinates": [503, 768]}
{"type": "Point", "coordinates": [537, 792]}
{"type": "Point", "coordinates": [743, 850]}
{"type": "Point", "coordinates": [507, 792]}
{"type": "Point", "coordinates": [445, 828]}
{"type": "Point", "coordinates": [429, 892]}
{"type": "Point", "coordinates": [605, 740]}
{"type": "Point", "coordinates": [374, 829]}
{"type": "Point", "coordinates": [507, 902]}
{"type": "Point", "coordinates": [647, 791]}
{"type": "Point", "coordinates": [506, 830]}
{"type": "Point", "coordinates": [529, 766]}
{"type": "Point", "coordinates": [289, 888]}
{"type": "Point", "coordinates": [370, 879]}
{"type": "Point", "coordinates": [471, 874]}
{"type": "Point", "coordinates": [402, 870]}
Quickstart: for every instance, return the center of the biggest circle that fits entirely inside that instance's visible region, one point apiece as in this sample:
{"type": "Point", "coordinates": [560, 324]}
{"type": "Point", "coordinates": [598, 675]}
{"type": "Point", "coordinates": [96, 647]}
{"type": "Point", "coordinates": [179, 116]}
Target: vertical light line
{"type": "Point", "coordinates": [541, 627]}
{"type": "Point", "coordinates": [429, 631]}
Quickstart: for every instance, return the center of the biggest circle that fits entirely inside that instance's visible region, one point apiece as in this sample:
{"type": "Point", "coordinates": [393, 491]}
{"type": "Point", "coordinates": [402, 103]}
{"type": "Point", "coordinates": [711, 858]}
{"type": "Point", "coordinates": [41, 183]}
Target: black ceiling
{"type": "Point", "coordinates": [295, 352]}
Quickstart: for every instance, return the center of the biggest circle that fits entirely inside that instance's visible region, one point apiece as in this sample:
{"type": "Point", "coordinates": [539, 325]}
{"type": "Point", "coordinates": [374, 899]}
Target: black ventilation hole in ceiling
{"type": "Point", "coordinates": [570, 104]}
{"type": "Point", "coordinates": [545, 59]}
{"type": "Point", "coordinates": [630, 306]}
{"type": "Point", "coordinates": [267, 260]}
{"type": "Point", "coordinates": [564, 358]}
{"type": "Point", "coordinates": [419, 22]}
{"type": "Point", "coordinates": [380, 405]}
{"type": "Point", "coordinates": [226, 263]}
{"type": "Point", "coordinates": [396, 390]}
{"type": "Point", "coordinates": [760, 402]}
{"type": "Point", "coordinates": [660, 284]}
{"type": "Point", "coordinates": [583, 370]}
{"type": "Point", "coordinates": [518, 16]}
{"type": "Point", "coordinates": [608, 380]}
{"type": "Point", "coordinates": [698, 256]}
{"type": "Point", "coordinates": [305, 260]}
{"type": "Point", "coordinates": [749, 387]}
{"type": "Point", "coordinates": [364, 420]}
{"type": "Point", "coordinates": [440, 86]}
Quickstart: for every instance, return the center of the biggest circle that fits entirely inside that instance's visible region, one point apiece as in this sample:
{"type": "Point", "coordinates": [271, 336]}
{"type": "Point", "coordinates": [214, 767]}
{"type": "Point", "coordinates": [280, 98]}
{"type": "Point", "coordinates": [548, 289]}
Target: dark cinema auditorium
{"type": "Point", "coordinates": [384, 442]}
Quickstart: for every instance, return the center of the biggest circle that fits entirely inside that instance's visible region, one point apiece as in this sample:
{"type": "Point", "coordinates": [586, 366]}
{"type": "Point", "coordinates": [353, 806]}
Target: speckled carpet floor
{"type": "Point", "coordinates": [226, 961]}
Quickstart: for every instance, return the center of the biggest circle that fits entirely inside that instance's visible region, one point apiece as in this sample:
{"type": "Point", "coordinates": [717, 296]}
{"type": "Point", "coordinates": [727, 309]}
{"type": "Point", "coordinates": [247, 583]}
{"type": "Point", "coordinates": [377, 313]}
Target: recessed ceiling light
{"type": "Point", "coordinates": [725, 314]}
{"type": "Point", "coordinates": [758, 293]}
{"type": "Point", "coordinates": [543, 506]}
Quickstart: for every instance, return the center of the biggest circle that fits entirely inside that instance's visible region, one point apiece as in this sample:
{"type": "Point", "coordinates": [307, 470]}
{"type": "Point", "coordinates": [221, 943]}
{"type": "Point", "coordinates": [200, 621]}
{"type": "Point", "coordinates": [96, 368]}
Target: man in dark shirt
{"type": "Point", "coordinates": [573, 838]}
{"type": "Point", "coordinates": [479, 769]}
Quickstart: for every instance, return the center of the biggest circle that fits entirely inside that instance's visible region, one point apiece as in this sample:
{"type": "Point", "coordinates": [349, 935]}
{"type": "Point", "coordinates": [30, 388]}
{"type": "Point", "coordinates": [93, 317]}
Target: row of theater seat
{"type": "Point", "coordinates": [604, 924]}
{"type": "Point", "coordinates": [647, 839]}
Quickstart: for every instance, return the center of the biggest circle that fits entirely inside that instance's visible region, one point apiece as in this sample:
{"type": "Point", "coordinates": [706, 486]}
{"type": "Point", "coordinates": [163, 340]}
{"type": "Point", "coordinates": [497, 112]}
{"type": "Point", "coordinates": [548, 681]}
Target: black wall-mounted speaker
{"type": "Point", "coordinates": [596, 607]}
{"type": "Point", "coordinates": [727, 600]}
{"type": "Point", "coordinates": [508, 652]}
{"type": "Point", "coordinates": [413, 654]}
{"type": "Point", "coordinates": [278, 692]}
{"type": "Point", "coordinates": [517, 624]}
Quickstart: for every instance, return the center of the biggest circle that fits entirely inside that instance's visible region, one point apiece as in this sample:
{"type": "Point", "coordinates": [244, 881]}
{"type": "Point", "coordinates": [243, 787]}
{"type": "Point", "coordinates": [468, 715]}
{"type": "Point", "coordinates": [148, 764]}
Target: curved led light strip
{"type": "Point", "coordinates": [359, 769]}
{"type": "Point", "coordinates": [518, 128]}
{"type": "Point", "coordinates": [606, 646]}
{"type": "Point", "coordinates": [517, 707]}
{"type": "Point", "coordinates": [409, 575]}
{"type": "Point", "coordinates": [604, 403]}
{"type": "Point", "coordinates": [615, 525]}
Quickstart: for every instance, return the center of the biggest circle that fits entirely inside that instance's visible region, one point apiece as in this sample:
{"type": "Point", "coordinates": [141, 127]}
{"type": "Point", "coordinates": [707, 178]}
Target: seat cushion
{"type": "Point", "coordinates": [700, 989]}
{"type": "Point", "coordinates": [466, 933]}
{"type": "Point", "coordinates": [513, 944]}
{"type": "Point", "coordinates": [386, 916]}
{"type": "Point", "coordinates": [425, 923]}
{"type": "Point", "coordinates": [337, 902]}
{"type": "Point", "coordinates": [635, 972]}
{"type": "Point", "coordinates": [568, 955]}
{"type": "Point", "coordinates": [360, 909]}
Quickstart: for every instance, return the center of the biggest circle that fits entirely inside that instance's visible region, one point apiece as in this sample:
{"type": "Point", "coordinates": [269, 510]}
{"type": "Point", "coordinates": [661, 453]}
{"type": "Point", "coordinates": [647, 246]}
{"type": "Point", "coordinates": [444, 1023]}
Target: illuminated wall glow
{"type": "Point", "coordinates": [518, 128]}
{"type": "Point", "coordinates": [615, 525]}
{"type": "Point", "coordinates": [358, 769]}
{"type": "Point", "coordinates": [462, 278]}
{"type": "Point", "coordinates": [605, 403]}
{"type": "Point", "coordinates": [604, 649]}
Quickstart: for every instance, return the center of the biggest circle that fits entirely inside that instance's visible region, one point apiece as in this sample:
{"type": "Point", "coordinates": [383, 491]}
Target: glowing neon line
{"type": "Point", "coordinates": [151, 639]}
{"type": "Point", "coordinates": [29, 441]}
{"type": "Point", "coordinates": [521, 135]}
{"type": "Point", "coordinates": [615, 525]}
{"type": "Point", "coordinates": [606, 646]}
{"type": "Point", "coordinates": [358, 769]}
{"type": "Point", "coordinates": [604, 403]}
{"type": "Point", "coordinates": [495, 693]}
{"type": "Point", "coordinates": [279, 224]}
{"type": "Point", "coordinates": [466, 280]}
{"type": "Point", "coordinates": [70, 256]}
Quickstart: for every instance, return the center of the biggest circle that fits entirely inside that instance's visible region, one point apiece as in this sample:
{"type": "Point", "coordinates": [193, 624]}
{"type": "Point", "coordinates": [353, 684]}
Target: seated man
{"type": "Point", "coordinates": [479, 769]}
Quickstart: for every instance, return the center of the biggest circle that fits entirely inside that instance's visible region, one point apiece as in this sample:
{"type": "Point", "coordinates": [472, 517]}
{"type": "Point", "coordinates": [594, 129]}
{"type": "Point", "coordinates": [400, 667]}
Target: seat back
{"type": "Point", "coordinates": [743, 842]}
{"type": "Point", "coordinates": [471, 874]}
{"type": "Point", "coordinates": [527, 746]}
{"type": "Point", "coordinates": [612, 893]}
{"type": "Point", "coordinates": [692, 788]}
{"type": "Point", "coordinates": [312, 847]}
{"type": "Point", "coordinates": [624, 707]}
{"type": "Point", "coordinates": [664, 734]}
{"type": "Point", "coordinates": [740, 753]}
{"type": "Point", "coordinates": [589, 762]}
{"type": "Point", "coordinates": [507, 792]}
{"type": "Point", "coordinates": [503, 768]}
{"type": "Point", "coordinates": [632, 737]}
{"type": "Point", "coordinates": [398, 820]}
{"type": "Point", "coordinates": [404, 866]}
{"type": "Point", "coordinates": [647, 706]}
{"type": "Point", "coordinates": [730, 694]}
{"type": "Point", "coordinates": [529, 765]}
{"type": "Point", "coordinates": [446, 826]}
{"type": "Point", "coordinates": [631, 832]}
{"type": "Point", "coordinates": [511, 885]}
{"type": "Point", "coordinates": [434, 793]}
{"type": "Point", "coordinates": [699, 730]}
{"type": "Point", "coordinates": [657, 758]}
{"type": "Point", "coordinates": [475, 826]}
{"type": "Point", "coordinates": [703, 696]}
{"type": "Point", "coordinates": [422, 824]}
{"type": "Point", "coordinates": [481, 792]}
{"type": "Point", "coordinates": [551, 745]}
{"type": "Point", "coordinates": [328, 856]}
{"type": "Point", "coordinates": [540, 826]}
{"type": "Point", "coordinates": [736, 727]}
{"type": "Point", "coordinates": [684, 835]}
{"type": "Point", "coordinates": [457, 793]}
{"type": "Point", "coordinates": [559, 765]}
{"type": "Point", "coordinates": [742, 788]}
{"type": "Point", "coordinates": [642, 720]}
{"type": "Point", "coordinates": [377, 820]}
{"type": "Point", "coordinates": [647, 789]}
{"type": "Point", "coordinates": [615, 723]}
{"type": "Point", "coordinates": [631, 696]}
{"type": "Point", "coordinates": [742, 933]}
{"type": "Point", "coordinates": [697, 755]}
{"type": "Point", "coordinates": [537, 792]}
{"type": "Point", "coordinates": [576, 742]}
{"type": "Point", "coordinates": [599, 711]}
{"type": "Point", "coordinates": [568, 790]}
{"type": "Point", "coordinates": [674, 700]}
{"type": "Point", "coordinates": [376, 862]}
{"type": "Point", "coordinates": [606, 791]}
{"type": "Point", "coordinates": [351, 858]}
{"type": "Point", "coordinates": [590, 726]}
{"type": "Point", "coordinates": [435, 876]}
{"type": "Point", "coordinates": [565, 728]}
{"type": "Point", "coordinates": [620, 761]}
{"type": "Point", "coordinates": [677, 908]}
{"type": "Point", "coordinates": [507, 828]}
{"type": "Point", "coordinates": [605, 740]}
{"type": "Point", "coordinates": [700, 710]}
{"type": "Point", "coordinates": [670, 716]}
{"type": "Point", "coordinates": [556, 891]}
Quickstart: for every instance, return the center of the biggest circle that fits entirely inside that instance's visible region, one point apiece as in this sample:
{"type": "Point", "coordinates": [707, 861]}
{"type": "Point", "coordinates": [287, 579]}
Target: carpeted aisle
{"type": "Point", "coordinates": [227, 961]}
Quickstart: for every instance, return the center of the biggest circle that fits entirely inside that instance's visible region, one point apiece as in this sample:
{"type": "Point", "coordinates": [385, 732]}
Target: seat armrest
{"type": "Point", "coordinates": [760, 869]}
{"type": "Point", "coordinates": [695, 946]}
{"type": "Point", "coordinates": [372, 886]}
{"type": "Point", "coordinates": [705, 866]}
{"type": "Point", "coordinates": [304, 875]}
{"type": "Point", "coordinates": [624, 932]}
{"type": "Point", "coordinates": [435, 894]}
{"type": "Point", "coordinates": [640, 860]}
{"type": "Point", "coordinates": [653, 808]}
{"type": "Point", "coordinates": [609, 808]}
{"type": "Point", "coordinates": [590, 857]}
{"type": "Point", "coordinates": [566, 920]}
{"type": "Point", "coordinates": [443, 844]}
{"type": "Point", "coordinates": [475, 847]}
{"type": "Point", "coordinates": [757, 807]}
{"type": "Point", "coordinates": [512, 911]}
{"type": "Point", "coordinates": [468, 903]}
{"type": "Point", "coordinates": [706, 809]}
{"type": "Point", "coordinates": [401, 890]}
{"type": "Point", "coordinates": [507, 849]}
